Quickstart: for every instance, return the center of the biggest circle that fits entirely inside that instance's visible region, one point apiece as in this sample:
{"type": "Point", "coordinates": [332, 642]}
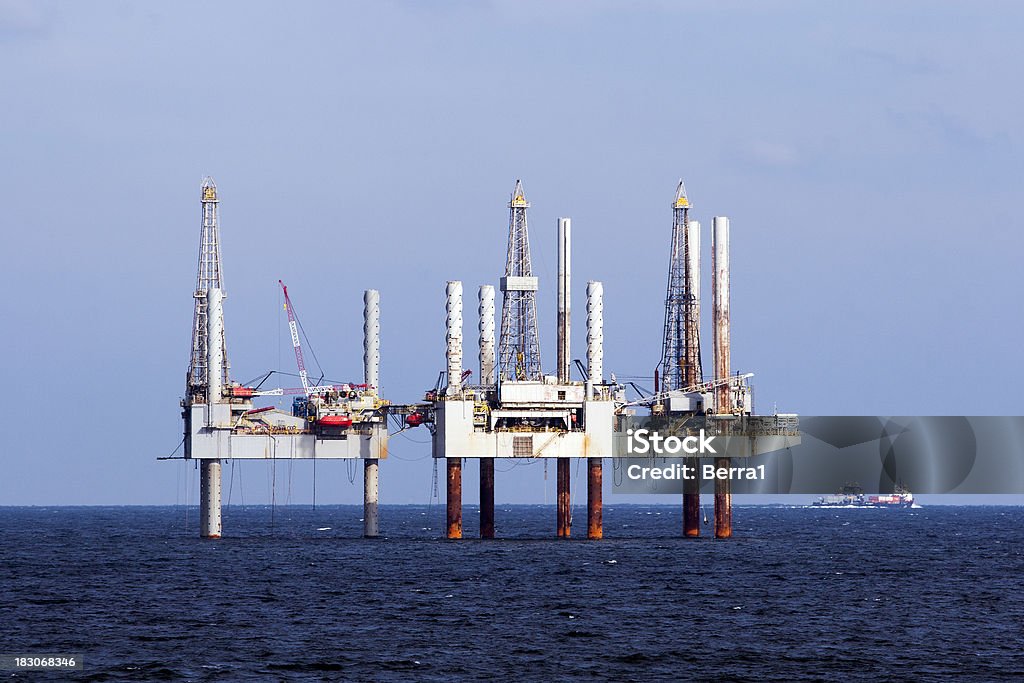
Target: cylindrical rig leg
{"type": "Point", "coordinates": [595, 522]}
{"type": "Point", "coordinates": [371, 493]}
{"type": "Point", "coordinates": [691, 501]}
{"type": "Point", "coordinates": [209, 499]}
{"type": "Point", "coordinates": [562, 498]}
{"type": "Point", "coordinates": [486, 497]}
{"type": "Point", "coordinates": [454, 497]}
{"type": "Point", "coordinates": [723, 503]}
{"type": "Point", "coordinates": [723, 395]}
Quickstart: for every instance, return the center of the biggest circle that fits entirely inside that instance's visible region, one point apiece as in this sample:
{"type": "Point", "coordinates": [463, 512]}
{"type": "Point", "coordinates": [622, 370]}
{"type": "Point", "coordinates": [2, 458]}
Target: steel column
{"type": "Point", "coordinates": [595, 526]}
{"type": "Point", "coordinates": [486, 334]}
{"type": "Point", "coordinates": [371, 375]}
{"type": "Point", "coordinates": [453, 336]}
{"type": "Point", "coordinates": [723, 395]}
{"type": "Point", "coordinates": [486, 497]}
{"type": "Point", "coordinates": [454, 497]}
{"type": "Point", "coordinates": [371, 494]}
{"type": "Point", "coordinates": [563, 504]}
{"type": "Point", "coordinates": [209, 499]}
{"type": "Point", "coordinates": [723, 503]}
{"type": "Point", "coordinates": [691, 501]}
{"type": "Point", "coordinates": [564, 297]}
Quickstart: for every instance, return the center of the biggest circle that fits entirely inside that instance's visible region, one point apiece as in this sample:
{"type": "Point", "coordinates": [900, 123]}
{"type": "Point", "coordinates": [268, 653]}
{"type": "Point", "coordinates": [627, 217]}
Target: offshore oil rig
{"type": "Point", "coordinates": [344, 421]}
{"type": "Point", "coordinates": [680, 389]}
{"type": "Point", "coordinates": [514, 410]}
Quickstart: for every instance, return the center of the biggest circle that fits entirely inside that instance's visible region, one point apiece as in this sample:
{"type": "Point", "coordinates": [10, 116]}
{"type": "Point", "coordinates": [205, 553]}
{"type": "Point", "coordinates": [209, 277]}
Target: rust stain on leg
{"type": "Point", "coordinates": [595, 513]}
{"type": "Point", "coordinates": [563, 500]}
{"type": "Point", "coordinates": [454, 497]}
{"type": "Point", "coordinates": [723, 502]}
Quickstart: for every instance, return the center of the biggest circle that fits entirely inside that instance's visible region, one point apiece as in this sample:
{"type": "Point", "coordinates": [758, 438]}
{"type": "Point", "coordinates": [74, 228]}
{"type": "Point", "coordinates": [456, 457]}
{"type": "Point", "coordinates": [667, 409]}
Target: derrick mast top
{"type": "Point", "coordinates": [209, 271]}
{"type": "Point", "coordinates": [519, 344]}
{"type": "Point", "coordinates": [209, 276]}
{"type": "Point", "coordinates": [680, 364]}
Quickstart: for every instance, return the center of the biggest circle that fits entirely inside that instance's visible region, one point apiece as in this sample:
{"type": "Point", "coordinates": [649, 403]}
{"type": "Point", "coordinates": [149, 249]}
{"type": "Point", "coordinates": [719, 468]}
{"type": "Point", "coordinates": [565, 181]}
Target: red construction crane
{"type": "Point", "coordinates": [307, 388]}
{"type": "Point", "coordinates": [293, 327]}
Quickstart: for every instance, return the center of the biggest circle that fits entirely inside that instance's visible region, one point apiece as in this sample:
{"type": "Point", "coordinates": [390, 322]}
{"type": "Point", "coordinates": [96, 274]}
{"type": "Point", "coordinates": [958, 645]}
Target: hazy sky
{"type": "Point", "coordinates": [869, 156]}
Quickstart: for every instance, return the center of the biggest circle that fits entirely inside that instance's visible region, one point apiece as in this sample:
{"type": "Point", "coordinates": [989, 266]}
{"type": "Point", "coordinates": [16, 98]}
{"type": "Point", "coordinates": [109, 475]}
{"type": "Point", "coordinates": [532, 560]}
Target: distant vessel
{"type": "Point", "coordinates": [852, 496]}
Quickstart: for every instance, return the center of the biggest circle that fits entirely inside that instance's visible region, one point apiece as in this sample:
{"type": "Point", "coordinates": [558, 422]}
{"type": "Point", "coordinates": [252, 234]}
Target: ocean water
{"type": "Point", "coordinates": [296, 594]}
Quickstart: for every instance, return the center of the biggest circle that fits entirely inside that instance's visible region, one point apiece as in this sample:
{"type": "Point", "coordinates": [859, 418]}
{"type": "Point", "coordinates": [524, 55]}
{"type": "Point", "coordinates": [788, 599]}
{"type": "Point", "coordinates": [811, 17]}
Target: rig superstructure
{"type": "Point", "coordinates": [338, 421]}
{"type": "Point", "coordinates": [520, 412]}
{"type": "Point", "coordinates": [723, 405]}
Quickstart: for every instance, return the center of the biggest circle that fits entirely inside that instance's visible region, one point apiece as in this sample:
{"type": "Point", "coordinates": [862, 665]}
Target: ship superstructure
{"type": "Point", "coordinates": [853, 496]}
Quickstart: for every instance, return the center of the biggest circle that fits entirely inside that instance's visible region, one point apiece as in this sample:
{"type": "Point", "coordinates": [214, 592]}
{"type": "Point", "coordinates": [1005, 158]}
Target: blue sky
{"type": "Point", "coordinates": [868, 155]}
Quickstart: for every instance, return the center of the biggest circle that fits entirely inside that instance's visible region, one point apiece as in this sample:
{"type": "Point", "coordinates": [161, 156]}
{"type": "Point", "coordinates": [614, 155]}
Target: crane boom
{"type": "Point", "coordinates": [293, 327]}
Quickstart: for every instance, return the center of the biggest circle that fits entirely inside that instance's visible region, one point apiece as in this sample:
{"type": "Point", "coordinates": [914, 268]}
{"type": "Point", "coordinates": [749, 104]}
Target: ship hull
{"type": "Point", "coordinates": [870, 506]}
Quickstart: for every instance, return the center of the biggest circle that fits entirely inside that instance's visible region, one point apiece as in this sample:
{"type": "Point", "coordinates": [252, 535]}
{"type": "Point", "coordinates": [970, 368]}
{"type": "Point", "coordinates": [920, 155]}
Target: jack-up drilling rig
{"type": "Point", "coordinates": [516, 411]}
{"type": "Point", "coordinates": [345, 421]}
{"type": "Point", "coordinates": [682, 399]}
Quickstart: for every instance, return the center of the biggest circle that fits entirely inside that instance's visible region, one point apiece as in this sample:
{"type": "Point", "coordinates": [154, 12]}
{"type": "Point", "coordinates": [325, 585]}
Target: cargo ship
{"type": "Point", "coordinates": [852, 496]}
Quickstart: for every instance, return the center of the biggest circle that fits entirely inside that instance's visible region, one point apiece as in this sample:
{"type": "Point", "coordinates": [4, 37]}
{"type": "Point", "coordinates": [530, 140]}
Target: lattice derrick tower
{"type": "Point", "coordinates": [519, 344]}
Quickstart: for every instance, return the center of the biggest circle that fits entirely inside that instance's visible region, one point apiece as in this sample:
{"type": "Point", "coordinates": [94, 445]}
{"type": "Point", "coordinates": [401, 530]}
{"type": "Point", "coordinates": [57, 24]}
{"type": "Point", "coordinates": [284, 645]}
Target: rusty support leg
{"type": "Point", "coordinates": [486, 497]}
{"type": "Point", "coordinates": [691, 501]}
{"type": "Point", "coordinates": [723, 503]}
{"type": "Point", "coordinates": [454, 497]}
{"type": "Point", "coordinates": [563, 502]}
{"type": "Point", "coordinates": [595, 524]}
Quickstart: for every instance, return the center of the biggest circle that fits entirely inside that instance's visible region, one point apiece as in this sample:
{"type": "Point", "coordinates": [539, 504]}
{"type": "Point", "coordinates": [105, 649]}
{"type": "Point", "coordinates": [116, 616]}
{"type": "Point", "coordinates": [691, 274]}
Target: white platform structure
{"type": "Point", "coordinates": [550, 418]}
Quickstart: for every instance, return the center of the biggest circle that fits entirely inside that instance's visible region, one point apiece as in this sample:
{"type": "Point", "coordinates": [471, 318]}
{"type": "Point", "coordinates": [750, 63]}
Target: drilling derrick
{"type": "Point", "coordinates": [680, 352]}
{"type": "Point", "coordinates": [519, 346]}
{"type": "Point", "coordinates": [680, 364]}
{"type": "Point", "coordinates": [209, 276]}
{"type": "Point", "coordinates": [683, 403]}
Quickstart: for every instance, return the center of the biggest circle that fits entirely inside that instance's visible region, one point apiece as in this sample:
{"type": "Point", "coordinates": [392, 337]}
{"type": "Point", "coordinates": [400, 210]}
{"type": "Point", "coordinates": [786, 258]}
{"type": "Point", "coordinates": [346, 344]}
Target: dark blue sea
{"type": "Point", "coordinates": [296, 594]}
